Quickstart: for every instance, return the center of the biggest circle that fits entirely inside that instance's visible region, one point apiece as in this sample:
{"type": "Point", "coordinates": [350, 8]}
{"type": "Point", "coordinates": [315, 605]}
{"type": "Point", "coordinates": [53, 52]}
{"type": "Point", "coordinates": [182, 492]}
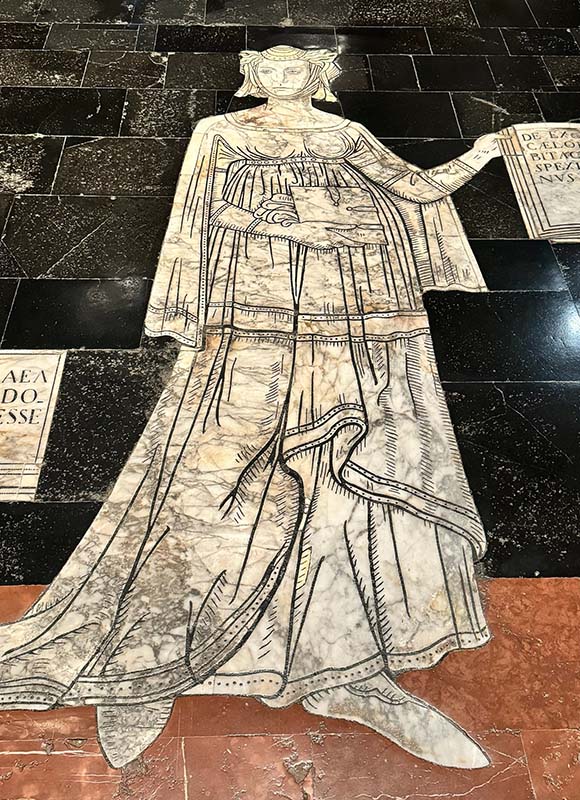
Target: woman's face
{"type": "Point", "coordinates": [283, 78]}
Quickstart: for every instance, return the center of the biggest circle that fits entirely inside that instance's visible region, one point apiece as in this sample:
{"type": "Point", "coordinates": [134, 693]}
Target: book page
{"type": "Point", "coordinates": [543, 161]}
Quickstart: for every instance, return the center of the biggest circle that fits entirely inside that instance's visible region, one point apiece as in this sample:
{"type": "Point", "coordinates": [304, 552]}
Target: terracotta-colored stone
{"type": "Point", "coordinates": [61, 723]}
{"type": "Point", "coordinates": [15, 600]}
{"type": "Point", "coordinates": [75, 768]}
{"type": "Point", "coordinates": [219, 716]}
{"type": "Point", "coordinates": [264, 767]}
{"type": "Point", "coordinates": [554, 763]}
{"type": "Point", "coordinates": [343, 767]}
{"type": "Point", "coordinates": [528, 676]}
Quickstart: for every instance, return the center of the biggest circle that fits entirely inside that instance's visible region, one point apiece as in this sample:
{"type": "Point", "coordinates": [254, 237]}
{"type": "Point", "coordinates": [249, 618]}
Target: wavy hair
{"type": "Point", "coordinates": [323, 69]}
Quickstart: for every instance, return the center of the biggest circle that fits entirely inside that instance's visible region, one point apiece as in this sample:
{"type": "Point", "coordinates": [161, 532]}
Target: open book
{"type": "Point", "coordinates": [543, 162]}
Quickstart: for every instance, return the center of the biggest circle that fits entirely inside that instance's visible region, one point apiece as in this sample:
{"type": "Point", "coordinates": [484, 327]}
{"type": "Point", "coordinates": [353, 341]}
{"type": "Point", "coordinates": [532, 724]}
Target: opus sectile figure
{"type": "Point", "coordinates": [294, 523]}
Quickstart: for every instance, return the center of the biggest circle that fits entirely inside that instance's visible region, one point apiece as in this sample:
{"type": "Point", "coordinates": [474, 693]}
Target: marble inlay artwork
{"type": "Point", "coordinates": [295, 523]}
{"type": "Point", "coordinates": [29, 383]}
{"type": "Point", "coordinates": [543, 161]}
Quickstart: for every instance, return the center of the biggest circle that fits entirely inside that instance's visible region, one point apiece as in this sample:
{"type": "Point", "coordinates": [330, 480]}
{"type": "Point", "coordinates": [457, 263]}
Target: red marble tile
{"type": "Point", "coordinates": [256, 767]}
{"type": "Point", "coordinates": [528, 676]}
{"type": "Point", "coordinates": [554, 763]}
{"type": "Point", "coordinates": [75, 768]}
{"type": "Point", "coordinates": [219, 716]}
{"type": "Point", "coordinates": [15, 600]}
{"type": "Point", "coordinates": [61, 723]}
{"type": "Point", "coordinates": [343, 767]}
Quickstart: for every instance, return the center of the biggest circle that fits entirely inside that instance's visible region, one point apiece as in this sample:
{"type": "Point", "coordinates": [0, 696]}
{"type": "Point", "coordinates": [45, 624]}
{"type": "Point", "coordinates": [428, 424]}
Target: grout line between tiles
{"type": "Point", "coordinates": [526, 757]}
{"type": "Point", "coordinates": [5, 328]}
{"type": "Point", "coordinates": [58, 163]}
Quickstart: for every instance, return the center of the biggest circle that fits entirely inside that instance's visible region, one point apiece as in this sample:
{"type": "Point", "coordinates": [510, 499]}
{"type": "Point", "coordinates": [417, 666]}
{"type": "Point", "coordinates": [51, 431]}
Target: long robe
{"type": "Point", "coordinates": [295, 515]}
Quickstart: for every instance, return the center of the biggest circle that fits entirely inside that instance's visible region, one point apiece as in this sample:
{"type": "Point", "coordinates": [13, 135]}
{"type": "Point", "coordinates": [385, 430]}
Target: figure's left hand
{"type": "Point", "coordinates": [360, 235]}
{"type": "Point", "coordinates": [488, 145]}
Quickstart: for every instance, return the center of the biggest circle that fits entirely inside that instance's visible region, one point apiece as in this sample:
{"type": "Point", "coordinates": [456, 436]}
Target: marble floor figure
{"type": "Point", "coordinates": [295, 523]}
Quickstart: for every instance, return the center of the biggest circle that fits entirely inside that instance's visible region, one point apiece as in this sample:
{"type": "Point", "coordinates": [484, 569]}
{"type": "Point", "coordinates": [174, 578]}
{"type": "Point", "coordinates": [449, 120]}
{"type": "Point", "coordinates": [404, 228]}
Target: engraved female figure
{"type": "Point", "coordinates": [294, 523]}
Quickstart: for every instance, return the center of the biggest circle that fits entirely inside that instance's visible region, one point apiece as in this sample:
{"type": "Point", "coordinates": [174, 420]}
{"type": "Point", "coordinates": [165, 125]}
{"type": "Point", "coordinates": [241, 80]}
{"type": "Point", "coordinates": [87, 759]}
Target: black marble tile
{"type": "Point", "coordinates": [560, 106]}
{"type": "Point", "coordinates": [8, 288]}
{"type": "Point", "coordinates": [483, 112]}
{"type": "Point", "coordinates": [70, 314]}
{"type": "Point", "coordinates": [226, 102]}
{"type": "Point", "coordinates": [33, 162]}
{"type": "Point", "coordinates": [19, 10]}
{"type": "Point", "coordinates": [393, 72]}
{"type": "Point", "coordinates": [128, 70]}
{"type": "Point", "coordinates": [246, 12]}
{"type": "Point", "coordinates": [513, 73]}
{"type": "Point", "coordinates": [87, 11]}
{"type": "Point", "coordinates": [475, 41]}
{"type": "Point", "coordinates": [203, 71]}
{"type": "Point", "coordinates": [459, 73]}
{"type": "Point", "coordinates": [41, 67]}
{"type": "Point", "coordinates": [509, 13]}
{"type": "Point", "coordinates": [25, 36]}
{"type": "Point", "coordinates": [36, 539]}
{"type": "Point", "coordinates": [259, 38]}
{"type": "Point", "coordinates": [505, 336]}
{"type": "Point", "coordinates": [516, 265]}
{"type": "Point", "coordinates": [520, 445]}
{"type": "Point", "coordinates": [565, 70]}
{"type": "Point", "coordinates": [540, 41]}
{"type": "Point", "coordinates": [200, 38]}
{"type": "Point", "coordinates": [85, 237]}
{"type": "Point", "coordinates": [488, 208]}
{"type": "Point", "coordinates": [355, 75]}
{"type": "Point", "coordinates": [104, 402]}
{"type": "Point", "coordinates": [120, 167]}
{"type": "Point", "coordinates": [427, 152]}
{"type": "Point", "coordinates": [559, 13]}
{"type": "Point", "coordinates": [180, 12]}
{"type": "Point", "coordinates": [61, 111]}
{"type": "Point", "coordinates": [146, 38]}
{"type": "Point", "coordinates": [402, 114]}
{"type": "Point", "coordinates": [452, 13]}
{"type": "Point", "coordinates": [89, 37]}
{"type": "Point", "coordinates": [568, 256]}
{"type": "Point", "coordinates": [165, 112]}
{"type": "Point", "coordinates": [382, 40]}
{"type": "Point", "coordinates": [6, 202]}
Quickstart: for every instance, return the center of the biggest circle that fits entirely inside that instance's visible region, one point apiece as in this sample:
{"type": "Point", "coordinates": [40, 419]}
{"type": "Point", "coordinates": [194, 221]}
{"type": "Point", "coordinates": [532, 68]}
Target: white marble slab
{"type": "Point", "coordinates": [29, 383]}
{"type": "Point", "coordinates": [543, 161]}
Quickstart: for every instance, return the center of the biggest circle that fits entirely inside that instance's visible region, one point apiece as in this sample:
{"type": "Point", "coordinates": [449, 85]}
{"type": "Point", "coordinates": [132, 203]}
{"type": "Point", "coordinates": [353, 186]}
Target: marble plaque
{"type": "Point", "coordinates": [29, 382]}
{"type": "Point", "coordinates": [543, 161]}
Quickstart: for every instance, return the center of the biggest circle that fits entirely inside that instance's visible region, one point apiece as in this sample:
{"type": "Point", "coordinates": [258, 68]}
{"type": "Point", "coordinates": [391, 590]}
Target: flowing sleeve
{"type": "Point", "coordinates": [442, 255]}
{"type": "Point", "coordinates": [177, 302]}
{"type": "Point", "coordinates": [404, 179]}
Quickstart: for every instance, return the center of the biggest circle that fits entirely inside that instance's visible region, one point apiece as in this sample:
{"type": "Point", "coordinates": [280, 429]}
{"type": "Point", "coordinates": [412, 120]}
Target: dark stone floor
{"type": "Point", "coordinates": [97, 101]}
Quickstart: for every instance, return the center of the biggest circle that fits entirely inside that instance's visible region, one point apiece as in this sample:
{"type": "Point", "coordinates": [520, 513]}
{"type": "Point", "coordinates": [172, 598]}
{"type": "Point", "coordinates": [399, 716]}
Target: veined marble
{"type": "Point", "coordinates": [29, 384]}
{"type": "Point", "coordinates": [543, 160]}
{"type": "Point", "coordinates": [295, 522]}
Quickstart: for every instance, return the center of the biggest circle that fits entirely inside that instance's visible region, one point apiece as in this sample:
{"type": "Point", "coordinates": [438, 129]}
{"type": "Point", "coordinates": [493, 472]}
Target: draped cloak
{"type": "Point", "coordinates": [295, 515]}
